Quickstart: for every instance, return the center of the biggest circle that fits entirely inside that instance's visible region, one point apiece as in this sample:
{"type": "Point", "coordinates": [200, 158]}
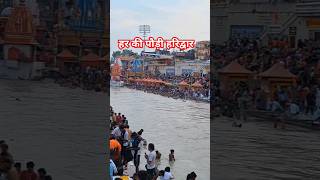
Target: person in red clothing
{"type": "Point", "coordinates": [119, 118]}
{"type": "Point", "coordinates": [29, 174]}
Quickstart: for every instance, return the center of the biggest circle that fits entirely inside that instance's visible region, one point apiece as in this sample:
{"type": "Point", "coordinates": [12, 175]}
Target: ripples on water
{"type": "Point", "coordinates": [257, 151]}
{"type": "Point", "coordinates": [61, 129]}
{"type": "Point", "coordinates": [170, 124]}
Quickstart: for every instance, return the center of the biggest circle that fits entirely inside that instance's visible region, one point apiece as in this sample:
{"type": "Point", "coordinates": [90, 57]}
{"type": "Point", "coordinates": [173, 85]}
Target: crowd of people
{"type": "Point", "coordinates": [11, 170]}
{"type": "Point", "coordinates": [172, 88]}
{"type": "Point", "coordinates": [98, 79]}
{"type": "Point", "coordinates": [127, 148]}
{"type": "Point", "coordinates": [303, 97]}
{"type": "Point", "coordinates": [89, 78]}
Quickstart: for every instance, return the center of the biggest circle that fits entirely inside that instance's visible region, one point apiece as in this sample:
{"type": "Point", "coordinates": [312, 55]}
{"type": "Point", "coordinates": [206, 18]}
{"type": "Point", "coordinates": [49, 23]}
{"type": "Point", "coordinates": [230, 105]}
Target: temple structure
{"type": "Point", "coordinates": [82, 29]}
{"type": "Point", "coordinates": [81, 26]}
{"type": "Point", "coordinates": [57, 33]}
{"type": "Point", "coordinates": [19, 44]}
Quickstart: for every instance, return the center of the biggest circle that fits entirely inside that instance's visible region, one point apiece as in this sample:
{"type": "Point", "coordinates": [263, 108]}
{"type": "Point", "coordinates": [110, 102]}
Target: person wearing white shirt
{"type": "Point", "coordinates": [167, 174]}
{"type": "Point", "coordinates": [117, 131]}
{"type": "Point", "coordinates": [151, 160]}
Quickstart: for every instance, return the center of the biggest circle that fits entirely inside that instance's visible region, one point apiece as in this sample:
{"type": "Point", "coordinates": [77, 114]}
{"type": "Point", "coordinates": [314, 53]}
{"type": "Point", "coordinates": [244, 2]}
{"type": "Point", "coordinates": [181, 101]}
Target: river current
{"type": "Point", "coordinates": [170, 124]}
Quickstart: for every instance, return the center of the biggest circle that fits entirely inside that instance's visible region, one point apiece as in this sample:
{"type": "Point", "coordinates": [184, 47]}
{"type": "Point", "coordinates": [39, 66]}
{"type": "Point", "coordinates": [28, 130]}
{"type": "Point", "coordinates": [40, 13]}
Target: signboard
{"type": "Point", "coordinates": [292, 31]}
{"type": "Point", "coordinates": [244, 31]}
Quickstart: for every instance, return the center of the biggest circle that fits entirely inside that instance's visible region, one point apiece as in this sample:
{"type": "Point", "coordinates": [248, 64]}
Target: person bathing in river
{"type": "Point", "coordinates": [151, 161]}
{"type": "Point", "coordinates": [158, 157]}
{"type": "Point", "coordinates": [171, 156]}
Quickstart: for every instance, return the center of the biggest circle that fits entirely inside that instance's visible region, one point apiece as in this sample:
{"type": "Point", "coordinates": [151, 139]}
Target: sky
{"type": "Point", "coordinates": [185, 19]}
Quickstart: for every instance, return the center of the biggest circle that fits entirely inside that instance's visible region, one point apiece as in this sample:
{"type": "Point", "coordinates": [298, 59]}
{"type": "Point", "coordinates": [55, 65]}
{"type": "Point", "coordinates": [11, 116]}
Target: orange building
{"type": "Point", "coordinates": [19, 41]}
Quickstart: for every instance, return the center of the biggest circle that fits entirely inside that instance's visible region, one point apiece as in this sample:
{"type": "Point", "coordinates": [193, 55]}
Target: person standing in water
{"type": "Point", "coordinates": [171, 156]}
{"type": "Point", "coordinates": [151, 161]}
{"type": "Point", "coordinates": [158, 158]}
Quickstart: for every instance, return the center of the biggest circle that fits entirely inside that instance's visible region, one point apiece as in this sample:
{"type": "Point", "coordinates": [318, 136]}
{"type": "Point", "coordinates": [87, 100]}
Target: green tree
{"type": "Point", "coordinates": [116, 54]}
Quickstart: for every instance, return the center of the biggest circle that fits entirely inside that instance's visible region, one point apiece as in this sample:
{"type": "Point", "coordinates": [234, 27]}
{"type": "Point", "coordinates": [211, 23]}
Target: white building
{"type": "Point", "coordinates": [265, 19]}
{"type": "Point", "coordinates": [189, 67]}
{"type": "Point", "coordinates": [202, 50]}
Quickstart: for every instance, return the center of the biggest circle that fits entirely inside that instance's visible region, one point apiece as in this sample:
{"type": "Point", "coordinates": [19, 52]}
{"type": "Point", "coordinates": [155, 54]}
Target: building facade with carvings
{"type": "Point", "coordinates": [82, 29]}
{"type": "Point", "coordinates": [19, 45]}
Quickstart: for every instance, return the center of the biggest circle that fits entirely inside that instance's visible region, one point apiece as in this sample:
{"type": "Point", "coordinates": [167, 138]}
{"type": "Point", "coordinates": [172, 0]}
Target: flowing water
{"type": "Point", "coordinates": [170, 124]}
{"type": "Point", "coordinates": [60, 129]}
{"type": "Point", "coordinates": [63, 130]}
{"type": "Point", "coordinates": [257, 151]}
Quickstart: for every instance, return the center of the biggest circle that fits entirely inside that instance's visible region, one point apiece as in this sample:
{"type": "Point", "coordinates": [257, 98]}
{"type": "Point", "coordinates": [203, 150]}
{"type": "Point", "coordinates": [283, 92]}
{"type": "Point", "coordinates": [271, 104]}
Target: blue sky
{"type": "Point", "coordinates": [186, 19]}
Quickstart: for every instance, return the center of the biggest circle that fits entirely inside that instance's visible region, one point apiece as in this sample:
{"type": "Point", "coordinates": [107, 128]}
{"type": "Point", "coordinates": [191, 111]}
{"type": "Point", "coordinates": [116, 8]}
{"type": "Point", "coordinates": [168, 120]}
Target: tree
{"type": "Point", "coordinates": [127, 52]}
{"type": "Point", "coordinates": [116, 54]}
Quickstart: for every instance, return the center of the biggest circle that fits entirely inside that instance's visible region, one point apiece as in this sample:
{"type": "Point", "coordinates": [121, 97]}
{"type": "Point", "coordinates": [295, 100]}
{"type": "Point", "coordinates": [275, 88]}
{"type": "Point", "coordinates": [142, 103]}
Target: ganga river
{"type": "Point", "coordinates": [169, 124]}
{"type": "Point", "coordinates": [257, 151]}
{"type": "Point", "coordinates": [60, 129]}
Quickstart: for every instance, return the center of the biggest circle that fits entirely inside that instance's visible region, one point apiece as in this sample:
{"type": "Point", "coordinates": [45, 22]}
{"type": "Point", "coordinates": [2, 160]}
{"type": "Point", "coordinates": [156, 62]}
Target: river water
{"type": "Point", "coordinates": [64, 130]}
{"type": "Point", "coordinates": [170, 124]}
{"type": "Point", "coordinates": [60, 129]}
{"type": "Point", "coordinates": [257, 151]}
